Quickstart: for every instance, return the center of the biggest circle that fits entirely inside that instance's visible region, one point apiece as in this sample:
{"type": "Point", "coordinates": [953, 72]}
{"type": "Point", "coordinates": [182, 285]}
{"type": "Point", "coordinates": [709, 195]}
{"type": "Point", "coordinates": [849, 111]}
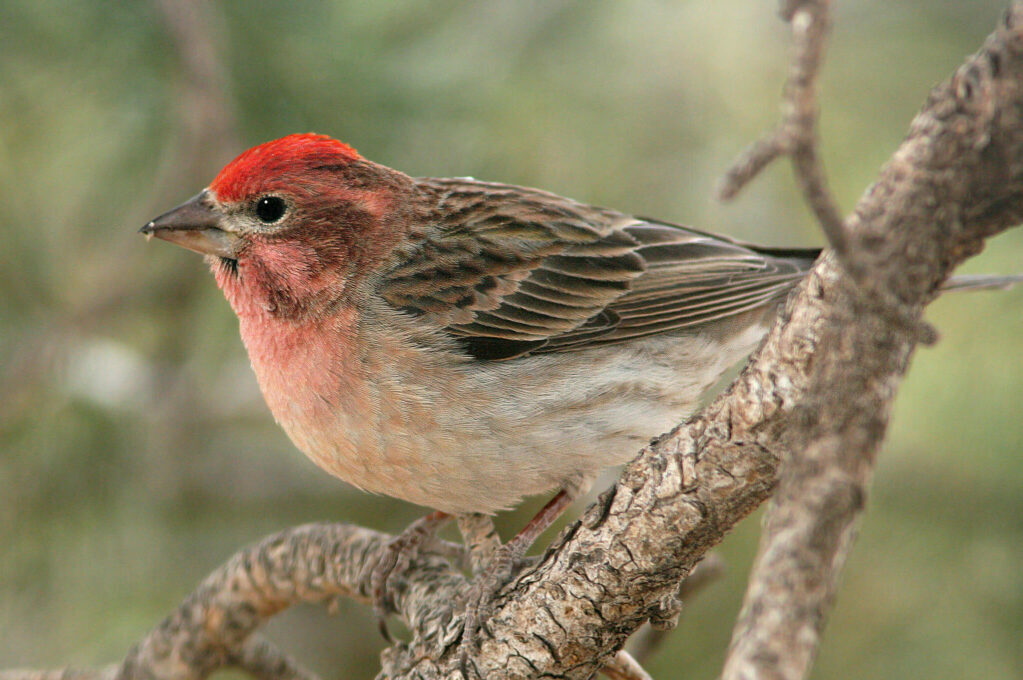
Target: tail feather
{"type": "Point", "coordinates": [804, 258]}
{"type": "Point", "coordinates": [981, 282]}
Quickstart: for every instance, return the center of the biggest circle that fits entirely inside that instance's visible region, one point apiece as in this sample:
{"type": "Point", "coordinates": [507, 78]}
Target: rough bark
{"type": "Point", "coordinates": [806, 417]}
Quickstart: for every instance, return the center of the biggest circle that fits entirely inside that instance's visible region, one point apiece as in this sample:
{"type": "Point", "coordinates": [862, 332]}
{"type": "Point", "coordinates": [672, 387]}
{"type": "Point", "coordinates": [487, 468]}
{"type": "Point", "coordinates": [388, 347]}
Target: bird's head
{"type": "Point", "coordinates": [291, 225]}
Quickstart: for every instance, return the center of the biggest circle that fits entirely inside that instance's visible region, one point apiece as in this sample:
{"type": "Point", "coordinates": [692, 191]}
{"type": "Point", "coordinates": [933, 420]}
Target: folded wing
{"type": "Point", "coordinates": [509, 271]}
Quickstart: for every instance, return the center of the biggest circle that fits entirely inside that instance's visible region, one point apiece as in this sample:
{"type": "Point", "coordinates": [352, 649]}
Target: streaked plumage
{"type": "Point", "coordinates": [511, 271]}
{"type": "Point", "coordinates": [462, 344]}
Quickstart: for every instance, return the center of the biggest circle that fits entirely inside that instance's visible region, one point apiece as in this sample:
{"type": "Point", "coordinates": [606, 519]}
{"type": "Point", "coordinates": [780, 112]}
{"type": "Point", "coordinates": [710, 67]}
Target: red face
{"type": "Point", "coordinates": [290, 223]}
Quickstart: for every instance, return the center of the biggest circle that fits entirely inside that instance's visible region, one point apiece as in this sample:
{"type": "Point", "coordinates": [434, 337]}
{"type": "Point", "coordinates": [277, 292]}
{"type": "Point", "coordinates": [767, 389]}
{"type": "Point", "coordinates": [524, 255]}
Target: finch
{"type": "Point", "coordinates": [462, 344]}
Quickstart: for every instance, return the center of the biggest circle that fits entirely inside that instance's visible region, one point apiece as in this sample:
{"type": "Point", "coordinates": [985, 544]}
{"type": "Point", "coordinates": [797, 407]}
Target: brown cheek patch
{"type": "Point", "coordinates": [350, 237]}
{"type": "Point", "coordinates": [345, 225]}
{"type": "Point", "coordinates": [296, 272]}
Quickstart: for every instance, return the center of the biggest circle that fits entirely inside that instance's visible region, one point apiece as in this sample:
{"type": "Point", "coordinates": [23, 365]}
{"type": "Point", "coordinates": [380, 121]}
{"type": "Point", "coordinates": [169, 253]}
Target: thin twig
{"type": "Point", "coordinates": [796, 134]}
{"type": "Point", "coordinates": [624, 667]}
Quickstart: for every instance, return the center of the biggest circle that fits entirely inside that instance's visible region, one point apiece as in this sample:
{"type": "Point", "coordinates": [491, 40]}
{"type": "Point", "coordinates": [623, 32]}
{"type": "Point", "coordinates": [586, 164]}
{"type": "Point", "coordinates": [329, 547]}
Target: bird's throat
{"type": "Point", "coordinates": [286, 280]}
{"type": "Point", "coordinates": [306, 364]}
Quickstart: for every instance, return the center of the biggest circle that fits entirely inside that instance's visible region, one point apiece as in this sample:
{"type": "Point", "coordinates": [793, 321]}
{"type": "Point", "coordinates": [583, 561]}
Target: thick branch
{"type": "Point", "coordinates": [831, 365]}
{"type": "Point", "coordinates": [843, 416]}
{"type": "Point", "coordinates": [649, 639]}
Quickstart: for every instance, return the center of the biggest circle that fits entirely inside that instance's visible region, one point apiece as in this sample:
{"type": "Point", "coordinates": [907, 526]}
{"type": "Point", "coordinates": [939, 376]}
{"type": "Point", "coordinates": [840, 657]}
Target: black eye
{"type": "Point", "coordinates": [269, 209]}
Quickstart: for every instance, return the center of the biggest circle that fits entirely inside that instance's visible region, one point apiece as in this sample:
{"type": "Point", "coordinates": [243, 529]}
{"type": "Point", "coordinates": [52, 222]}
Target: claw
{"type": "Point", "coordinates": [479, 602]}
{"type": "Point", "coordinates": [395, 553]}
{"type": "Point", "coordinates": [395, 559]}
{"type": "Point", "coordinates": [385, 633]}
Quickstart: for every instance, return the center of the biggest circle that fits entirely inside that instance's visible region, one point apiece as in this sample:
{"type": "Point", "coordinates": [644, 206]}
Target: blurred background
{"type": "Point", "coordinates": [135, 452]}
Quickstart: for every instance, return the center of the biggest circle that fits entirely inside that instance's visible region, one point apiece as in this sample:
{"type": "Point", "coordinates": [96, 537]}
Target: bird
{"type": "Point", "coordinates": [461, 344]}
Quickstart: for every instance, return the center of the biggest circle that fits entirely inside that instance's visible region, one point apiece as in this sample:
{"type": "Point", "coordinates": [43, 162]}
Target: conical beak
{"type": "Point", "coordinates": [196, 225]}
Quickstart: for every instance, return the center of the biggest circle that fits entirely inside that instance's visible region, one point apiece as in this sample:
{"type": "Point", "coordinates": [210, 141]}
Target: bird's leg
{"type": "Point", "coordinates": [500, 568]}
{"type": "Point", "coordinates": [480, 538]}
{"type": "Point", "coordinates": [516, 548]}
{"type": "Point", "coordinates": [395, 559]}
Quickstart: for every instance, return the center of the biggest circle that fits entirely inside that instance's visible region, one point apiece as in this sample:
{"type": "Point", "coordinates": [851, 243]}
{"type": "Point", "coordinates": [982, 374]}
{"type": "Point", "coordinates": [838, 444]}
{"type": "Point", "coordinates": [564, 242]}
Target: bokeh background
{"type": "Point", "coordinates": [135, 452]}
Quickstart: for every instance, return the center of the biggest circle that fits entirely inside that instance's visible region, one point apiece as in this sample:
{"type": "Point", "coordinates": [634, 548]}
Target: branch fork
{"type": "Point", "coordinates": [803, 421]}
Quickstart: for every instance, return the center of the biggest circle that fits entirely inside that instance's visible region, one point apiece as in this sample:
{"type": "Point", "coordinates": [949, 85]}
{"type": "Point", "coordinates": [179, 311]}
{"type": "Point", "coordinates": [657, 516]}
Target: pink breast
{"type": "Point", "coordinates": [306, 367]}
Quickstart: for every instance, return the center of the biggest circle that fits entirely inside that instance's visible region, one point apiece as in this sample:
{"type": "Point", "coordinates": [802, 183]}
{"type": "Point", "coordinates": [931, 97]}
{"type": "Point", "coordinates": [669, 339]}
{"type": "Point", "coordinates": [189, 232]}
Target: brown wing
{"type": "Point", "coordinates": [510, 271]}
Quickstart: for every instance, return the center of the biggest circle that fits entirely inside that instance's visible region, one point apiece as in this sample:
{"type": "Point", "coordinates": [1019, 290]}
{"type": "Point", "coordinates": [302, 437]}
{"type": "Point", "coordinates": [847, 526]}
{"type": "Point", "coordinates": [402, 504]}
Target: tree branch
{"type": "Point", "coordinates": [648, 640]}
{"type": "Point", "coordinates": [810, 527]}
{"type": "Point", "coordinates": [314, 563]}
{"type": "Point", "coordinates": [796, 135]}
{"type": "Point", "coordinates": [821, 385]}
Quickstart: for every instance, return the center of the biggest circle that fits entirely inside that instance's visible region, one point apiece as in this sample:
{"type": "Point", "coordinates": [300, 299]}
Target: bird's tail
{"type": "Point", "coordinates": [804, 258]}
{"type": "Point", "coordinates": [981, 282]}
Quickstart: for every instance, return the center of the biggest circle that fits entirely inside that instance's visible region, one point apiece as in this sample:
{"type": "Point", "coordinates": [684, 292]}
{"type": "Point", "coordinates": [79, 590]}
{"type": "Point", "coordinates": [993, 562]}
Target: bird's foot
{"type": "Point", "coordinates": [395, 559]}
{"type": "Point", "coordinates": [480, 598]}
{"type": "Point", "coordinates": [479, 603]}
{"type": "Point", "coordinates": [480, 538]}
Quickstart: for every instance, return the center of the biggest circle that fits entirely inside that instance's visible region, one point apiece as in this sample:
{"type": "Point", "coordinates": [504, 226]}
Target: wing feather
{"type": "Point", "coordinates": [509, 271]}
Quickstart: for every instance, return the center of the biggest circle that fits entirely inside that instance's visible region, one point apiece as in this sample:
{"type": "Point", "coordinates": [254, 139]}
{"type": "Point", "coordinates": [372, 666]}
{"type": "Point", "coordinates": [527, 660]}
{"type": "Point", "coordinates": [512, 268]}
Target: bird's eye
{"type": "Point", "coordinates": [269, 209]}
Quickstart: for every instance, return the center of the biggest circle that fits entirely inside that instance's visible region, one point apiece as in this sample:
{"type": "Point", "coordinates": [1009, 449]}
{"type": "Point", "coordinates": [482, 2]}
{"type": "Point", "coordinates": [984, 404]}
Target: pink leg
{"type": "Point", "coordinates": [480, 599]}
{"type": "Point", "coordinates": [540, 523]}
